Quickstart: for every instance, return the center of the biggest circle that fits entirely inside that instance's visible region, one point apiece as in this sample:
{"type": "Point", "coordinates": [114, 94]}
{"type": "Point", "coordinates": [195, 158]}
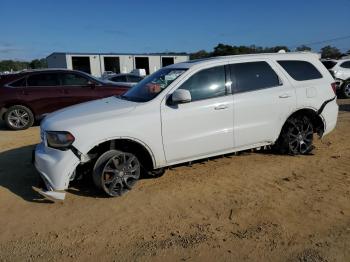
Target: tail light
{"type": "Point", "coordinates": [334, 87]}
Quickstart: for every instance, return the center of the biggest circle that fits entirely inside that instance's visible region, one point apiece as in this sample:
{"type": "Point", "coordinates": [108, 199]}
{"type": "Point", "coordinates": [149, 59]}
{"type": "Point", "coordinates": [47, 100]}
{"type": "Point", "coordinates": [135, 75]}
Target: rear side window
{"type": "Point", "coordinates": [208, 83]}
{"type": "Point", "coordinates": [252, 76]}
{"type": "Point", "coordinates": [74, 80]}
{"type": "Point", "coordinates": [300, 70]}
{"type": "Point", "coordinates": [345, 64]}
{"type": "Point", "coordinates": [43, 80]}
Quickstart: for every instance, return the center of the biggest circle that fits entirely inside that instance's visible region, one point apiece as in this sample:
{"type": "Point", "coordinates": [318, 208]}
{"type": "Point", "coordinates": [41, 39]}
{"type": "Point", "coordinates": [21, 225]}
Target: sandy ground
{"type": "Point", "coordinates": [251, 207]}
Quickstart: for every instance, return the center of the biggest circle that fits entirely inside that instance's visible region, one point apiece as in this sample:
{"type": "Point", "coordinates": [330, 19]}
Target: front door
{"type": "Point", "coordinates": [43, 93]}
{"type": "Point", "coordinates": [77, 88]}
{"type": "Point", "coordinates": [203, 126]}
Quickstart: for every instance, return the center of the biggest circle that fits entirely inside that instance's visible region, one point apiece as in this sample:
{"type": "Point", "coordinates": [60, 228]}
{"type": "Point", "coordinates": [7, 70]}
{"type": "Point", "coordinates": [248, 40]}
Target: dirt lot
{"type": "Point", "coordinates": [251, 207]}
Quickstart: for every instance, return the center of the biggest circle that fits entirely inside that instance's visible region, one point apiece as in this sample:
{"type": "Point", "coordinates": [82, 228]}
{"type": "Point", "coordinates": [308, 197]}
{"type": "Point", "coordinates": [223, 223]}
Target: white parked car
{"type": "Point", "coordinates": [189, 111]}
{"type": "Point", "coordinates": [340, 69]}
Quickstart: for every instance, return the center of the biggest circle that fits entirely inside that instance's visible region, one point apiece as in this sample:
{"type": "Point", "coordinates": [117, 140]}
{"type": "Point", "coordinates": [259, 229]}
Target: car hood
{"type": "Point", "coordinates": [88, 112]}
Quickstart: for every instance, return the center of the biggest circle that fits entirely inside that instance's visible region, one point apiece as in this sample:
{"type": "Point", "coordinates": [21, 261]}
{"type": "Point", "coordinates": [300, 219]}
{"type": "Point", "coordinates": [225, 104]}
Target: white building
{"type": "Point", "coordinates": [97, 63]}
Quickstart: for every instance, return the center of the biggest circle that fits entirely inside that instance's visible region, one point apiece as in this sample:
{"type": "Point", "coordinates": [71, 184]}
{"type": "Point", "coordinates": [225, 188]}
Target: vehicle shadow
{"type": "Point", "coordinates": [344, 107]}
{"type": "Point", "coordinates": [18, 175]}
{"type": "Point", "coordinates": [3, 126]}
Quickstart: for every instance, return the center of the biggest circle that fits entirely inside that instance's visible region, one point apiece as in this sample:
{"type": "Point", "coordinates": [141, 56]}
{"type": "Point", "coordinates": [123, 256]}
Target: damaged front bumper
{"type": "Point", "coordinates": [56, 168]}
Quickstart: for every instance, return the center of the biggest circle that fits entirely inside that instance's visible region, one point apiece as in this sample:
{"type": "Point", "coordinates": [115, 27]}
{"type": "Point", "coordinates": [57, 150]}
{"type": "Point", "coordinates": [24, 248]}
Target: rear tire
{"type": "Point", "coordinates": [19, 117]}
{"type": "Point", "coordinates": [345, 89]}
{"type": "Point", "coordinates": [116, 172]}
{"type": "Point", "coordinates": [296, 137]}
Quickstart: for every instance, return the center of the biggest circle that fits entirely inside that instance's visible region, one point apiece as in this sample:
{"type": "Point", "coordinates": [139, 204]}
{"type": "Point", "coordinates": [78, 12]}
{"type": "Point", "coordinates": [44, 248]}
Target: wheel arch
{"type": "Point", "coordinates": [141, 149]}
{"type": "Point", "coordinates": [315, 118]}
{"type": "Point", "coordinates": [7, 105]}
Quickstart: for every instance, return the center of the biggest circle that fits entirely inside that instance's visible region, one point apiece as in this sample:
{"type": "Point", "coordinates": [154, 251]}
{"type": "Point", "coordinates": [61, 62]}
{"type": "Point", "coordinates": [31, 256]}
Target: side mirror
{"type": "Point", "coordinates": [181, 96]}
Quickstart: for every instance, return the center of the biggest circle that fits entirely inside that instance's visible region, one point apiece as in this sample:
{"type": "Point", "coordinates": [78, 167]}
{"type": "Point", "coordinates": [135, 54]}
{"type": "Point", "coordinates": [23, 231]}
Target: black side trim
{"type": "Point", "coordinates": [75, 152]}
{"type": "Point", "coordinates": [319, 111]}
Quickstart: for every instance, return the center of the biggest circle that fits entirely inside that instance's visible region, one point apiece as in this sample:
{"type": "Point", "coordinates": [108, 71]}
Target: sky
{"type": "Point", "coordinates": [34, 29]}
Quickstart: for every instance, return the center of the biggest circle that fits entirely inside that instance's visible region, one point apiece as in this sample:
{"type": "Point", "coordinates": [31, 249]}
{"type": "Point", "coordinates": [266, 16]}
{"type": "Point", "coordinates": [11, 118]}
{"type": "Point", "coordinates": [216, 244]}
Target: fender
{"type": "Point", "coordinates": [83, 157]}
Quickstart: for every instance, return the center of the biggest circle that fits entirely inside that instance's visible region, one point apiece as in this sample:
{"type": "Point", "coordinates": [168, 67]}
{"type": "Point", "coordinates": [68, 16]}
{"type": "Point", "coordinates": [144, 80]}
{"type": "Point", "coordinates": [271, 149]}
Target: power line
{"type": "Point", "coordinates": [325, 41]}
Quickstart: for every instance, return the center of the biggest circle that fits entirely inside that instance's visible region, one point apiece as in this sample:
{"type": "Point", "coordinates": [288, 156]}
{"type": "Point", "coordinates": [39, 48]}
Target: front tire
{"type": "Point", "coordinates": [116, 172]}
{"type": "Point", "coordinates": [345, 89]}
{"type": "Point", "coordinates": [19, 117]}
{"type": "Point", "coordinates": [296, 137]}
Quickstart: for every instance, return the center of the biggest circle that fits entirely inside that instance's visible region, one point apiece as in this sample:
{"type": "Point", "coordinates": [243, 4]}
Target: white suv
{"type": "Point", "coordinates": [340, 69]}
{"type": "Point", "coordinates": [189, 111]}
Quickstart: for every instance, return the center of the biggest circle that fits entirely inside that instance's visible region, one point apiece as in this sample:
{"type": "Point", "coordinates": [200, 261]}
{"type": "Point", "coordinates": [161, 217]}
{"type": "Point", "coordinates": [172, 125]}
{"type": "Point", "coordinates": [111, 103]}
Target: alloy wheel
{"type": "Point", "coordinates": [18, 118]}
{"type": "Point", "coordinates": [347, 89]}
{"type": "Point", "coordinates": [120, 174]}
{"type": "Point", "coordinates": [300, 137]}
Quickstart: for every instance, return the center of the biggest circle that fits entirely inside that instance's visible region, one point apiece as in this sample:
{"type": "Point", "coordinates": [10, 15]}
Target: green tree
{"type": "Point", "coordinates": [222, 49]}
{"type": "Point", "coordinates": [330, 52]}
{"type": "Point", "coordinates": [200, 54]}
{"type": "Point", "coordinates": [10, 65]}
{"type": "Point", "coordinates": [38, 63]}
{"type": "Point", "coordinates": [303, 48]}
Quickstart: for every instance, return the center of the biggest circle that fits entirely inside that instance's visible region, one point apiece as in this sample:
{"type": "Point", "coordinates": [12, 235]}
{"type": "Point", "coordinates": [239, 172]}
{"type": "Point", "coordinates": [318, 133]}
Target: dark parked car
{"type": "Point", "coordinates": [30, 95]}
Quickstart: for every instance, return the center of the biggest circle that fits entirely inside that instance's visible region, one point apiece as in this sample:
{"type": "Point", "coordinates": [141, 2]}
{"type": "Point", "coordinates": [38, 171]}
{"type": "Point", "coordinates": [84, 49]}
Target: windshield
{"type": "Point", "coordinates": [153, 85]}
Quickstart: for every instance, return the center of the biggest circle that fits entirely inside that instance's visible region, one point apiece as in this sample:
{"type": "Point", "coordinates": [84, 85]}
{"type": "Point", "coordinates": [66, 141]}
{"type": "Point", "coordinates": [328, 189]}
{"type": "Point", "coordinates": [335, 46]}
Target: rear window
{"type": "Point", "coordinates": [300, 70]}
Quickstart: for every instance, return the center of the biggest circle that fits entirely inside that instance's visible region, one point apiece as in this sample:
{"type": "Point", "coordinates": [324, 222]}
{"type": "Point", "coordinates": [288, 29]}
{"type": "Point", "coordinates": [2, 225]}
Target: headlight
{"type": "Point", "coordinates": [59, 139]}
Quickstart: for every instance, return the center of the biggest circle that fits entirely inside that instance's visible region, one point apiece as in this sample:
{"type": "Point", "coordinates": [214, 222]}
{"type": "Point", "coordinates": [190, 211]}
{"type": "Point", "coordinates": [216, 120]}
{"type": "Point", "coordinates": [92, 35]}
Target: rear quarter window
{"type": "Point", "coordinates": [18, 83]}
{"type": "Point", "coordinates": [300, 70]}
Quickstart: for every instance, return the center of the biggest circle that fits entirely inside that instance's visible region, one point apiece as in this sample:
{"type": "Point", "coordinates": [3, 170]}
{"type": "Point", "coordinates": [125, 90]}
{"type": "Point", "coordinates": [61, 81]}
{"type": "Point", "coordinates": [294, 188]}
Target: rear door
{"type": "Point", "coordinates": [42, 93]}
{"type": "Point", "coordinates": [263, 99]}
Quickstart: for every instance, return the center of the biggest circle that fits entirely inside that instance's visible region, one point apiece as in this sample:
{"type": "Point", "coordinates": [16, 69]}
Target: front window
{"type": "Point", "coordinates": [153, 85]}
{"type": "Point", "coordinates": [69, 79]}
{"type": "Point", "coordinates": [208, 83]}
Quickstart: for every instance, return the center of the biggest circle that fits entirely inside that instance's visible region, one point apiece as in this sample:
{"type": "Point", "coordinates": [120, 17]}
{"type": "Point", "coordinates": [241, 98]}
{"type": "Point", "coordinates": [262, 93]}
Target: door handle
{"type": "Point", "coordinates": [284, 95]}
{"type": "Point", "coordinates": [220, 107]}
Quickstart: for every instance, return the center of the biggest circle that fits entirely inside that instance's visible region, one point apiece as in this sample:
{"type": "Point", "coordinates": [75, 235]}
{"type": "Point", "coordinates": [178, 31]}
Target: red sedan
{"type": "Point", "coordinates": [28, 96]}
